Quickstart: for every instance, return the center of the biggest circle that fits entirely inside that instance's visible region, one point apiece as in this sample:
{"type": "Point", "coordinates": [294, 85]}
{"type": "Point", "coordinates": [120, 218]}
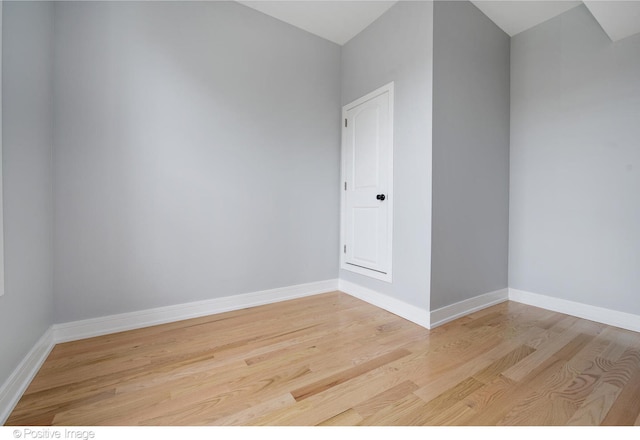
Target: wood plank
{"type": "Point", "coordinates": [564, 392]}
{"type": "Point", "coordinates": [418, 412]}
{"type": "Point", "coordinates": [502, 405]}
{"type": "Point", "coordinates": [322, 406]}
{"type": "Point", "coordinates": [623, 369]}
{"type": "Point", "coordinates": [556, 400]}
{"type": "Point", "coordinates": [626, 408]}
{"type": "Point", "coordinates": [441, 409]}
{"type": "Point", "coordinates": [241, 417]}
{"type": "Point", "coordinates": [346, 418]}
{"type": "Point", "coordinates": [596, 406]}
{"type": "Point", "coordinates": [489, 373]}
{"type": "Point", "coordinates": [384, 399]}
{"type": "Point", "coordinates": [205, 406]}
{"type": "Point", "coordinates": [343, 376]}
{"type": "Point", "coordinates": [544, 352]}
{"type": "Point", "coordinates": [405, 412]}
{"type": "Point", "coordinates": [435, 384]}
{"type": "Point", "coordinates": [475, 404]}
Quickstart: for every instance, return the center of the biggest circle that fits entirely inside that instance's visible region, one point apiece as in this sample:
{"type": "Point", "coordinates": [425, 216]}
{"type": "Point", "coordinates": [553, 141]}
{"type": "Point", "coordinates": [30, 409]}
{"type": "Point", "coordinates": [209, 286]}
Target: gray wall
{"type": "Point", "coordinates": [26, 308]}
{"type": "Point", "coordinates": [575, 163]}
{"type": "Point", "coordinates": [470, 154]}
{"type": "Point", "coordinates": [196, 155]}
{"type": "Point", "coordinates": [398, 47]}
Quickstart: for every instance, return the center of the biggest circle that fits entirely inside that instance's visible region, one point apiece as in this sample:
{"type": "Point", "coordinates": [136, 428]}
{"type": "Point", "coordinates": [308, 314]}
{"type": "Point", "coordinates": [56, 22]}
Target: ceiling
{"type": "Point", "coordinates": [341, 20]}
{"type": "Point", "coordinates": [618, 18]}
{"type": "Point", "coordinates": [514, 17]}
{"type": "Point", "coordinates": [337, 21]}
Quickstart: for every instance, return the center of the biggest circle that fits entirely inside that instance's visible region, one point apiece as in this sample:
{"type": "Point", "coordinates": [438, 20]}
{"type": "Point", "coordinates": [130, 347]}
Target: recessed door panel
{"type": "Point", "coordinates": [366, 235]}
{"type": "Point", "coordinates": [366, 151]}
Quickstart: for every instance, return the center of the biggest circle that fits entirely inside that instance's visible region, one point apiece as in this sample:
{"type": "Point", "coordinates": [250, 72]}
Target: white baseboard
{"type": "Point", "coordinates": [462, 308]}
{"type": "Point", "coordinates": [17, 383]}
{"type": "Point", "coordinates": [592, 313]}
{"type": "Point", "coordinates": [404, 310]}
{"type": "Point", "coordinates": [73, 331]}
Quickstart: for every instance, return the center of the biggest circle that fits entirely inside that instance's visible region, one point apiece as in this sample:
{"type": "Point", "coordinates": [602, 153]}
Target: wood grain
{"type": "Point", "coordinates": [332, 359]}
{"type": "Point", "coordinates": [596, 406]}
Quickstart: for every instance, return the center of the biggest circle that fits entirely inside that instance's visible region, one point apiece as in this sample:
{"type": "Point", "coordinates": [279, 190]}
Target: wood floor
{"type": "Point", "coordinates": [334, 360]}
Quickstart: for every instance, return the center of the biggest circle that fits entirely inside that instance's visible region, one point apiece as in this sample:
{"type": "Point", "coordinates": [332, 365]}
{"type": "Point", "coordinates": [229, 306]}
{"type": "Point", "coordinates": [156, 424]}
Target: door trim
{"type": "Point", "coordinates": [387, 88]}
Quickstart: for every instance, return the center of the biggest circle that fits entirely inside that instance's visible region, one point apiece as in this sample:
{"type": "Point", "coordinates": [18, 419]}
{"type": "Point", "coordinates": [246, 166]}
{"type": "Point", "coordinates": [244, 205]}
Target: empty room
{"type": "Point", "coordinates": [303, 213]}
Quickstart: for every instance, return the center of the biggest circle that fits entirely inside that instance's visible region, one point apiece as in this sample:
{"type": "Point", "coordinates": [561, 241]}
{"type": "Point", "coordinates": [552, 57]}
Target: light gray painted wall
{"type": "Point", "coordinates": [26, 309]}
{"type": "Point", "coordinates": [398, 47]}
{"type": "Point", "coordinates": [470, 154]}
{"type": "Point", "coordinates": [575, 163]}
{"type": "Point", "coordinates": [196, 155]}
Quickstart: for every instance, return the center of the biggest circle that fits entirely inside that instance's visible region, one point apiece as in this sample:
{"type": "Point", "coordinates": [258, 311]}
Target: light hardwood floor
{"type": "Point", "coordinates": [334, 360]}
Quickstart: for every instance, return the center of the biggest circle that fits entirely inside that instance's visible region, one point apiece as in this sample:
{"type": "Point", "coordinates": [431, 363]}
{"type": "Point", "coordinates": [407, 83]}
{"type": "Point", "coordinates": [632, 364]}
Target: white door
{"type": "Point", "coordinates": [367, 202]}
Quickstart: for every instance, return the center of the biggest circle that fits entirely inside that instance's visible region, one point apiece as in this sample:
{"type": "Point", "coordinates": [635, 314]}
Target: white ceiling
{"type": "Point", "coordinates": [341, 20]}
{"type": "Point", "coordinates": [337, 21]}
{"type": "Point", "coordinates": [619, 19]}
{"type": "Point", "coordinates": [514, 17]}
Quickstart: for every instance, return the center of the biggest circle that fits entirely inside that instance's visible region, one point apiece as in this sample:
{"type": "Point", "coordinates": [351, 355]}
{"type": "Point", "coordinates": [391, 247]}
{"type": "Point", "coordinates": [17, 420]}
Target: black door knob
{"type": "Point", "coordinates": [381, 197]}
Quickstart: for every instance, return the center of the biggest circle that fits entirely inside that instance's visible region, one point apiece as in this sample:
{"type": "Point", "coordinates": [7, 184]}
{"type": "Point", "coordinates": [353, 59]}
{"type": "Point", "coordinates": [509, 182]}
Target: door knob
{"type": "Point", "coordinates": [381, 197]}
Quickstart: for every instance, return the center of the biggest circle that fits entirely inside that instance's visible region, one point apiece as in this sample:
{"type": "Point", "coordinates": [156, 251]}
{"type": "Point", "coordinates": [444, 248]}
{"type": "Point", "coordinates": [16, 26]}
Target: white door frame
{"type": "Point", "coordinates": [388, 88]}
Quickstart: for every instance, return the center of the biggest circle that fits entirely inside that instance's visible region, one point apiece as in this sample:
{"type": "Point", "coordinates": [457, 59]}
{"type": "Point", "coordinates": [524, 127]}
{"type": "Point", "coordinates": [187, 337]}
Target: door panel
{"type": "Point", "coordinates": [365, 232]}
{"type": "Point", "coordinates": [366, 133]}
